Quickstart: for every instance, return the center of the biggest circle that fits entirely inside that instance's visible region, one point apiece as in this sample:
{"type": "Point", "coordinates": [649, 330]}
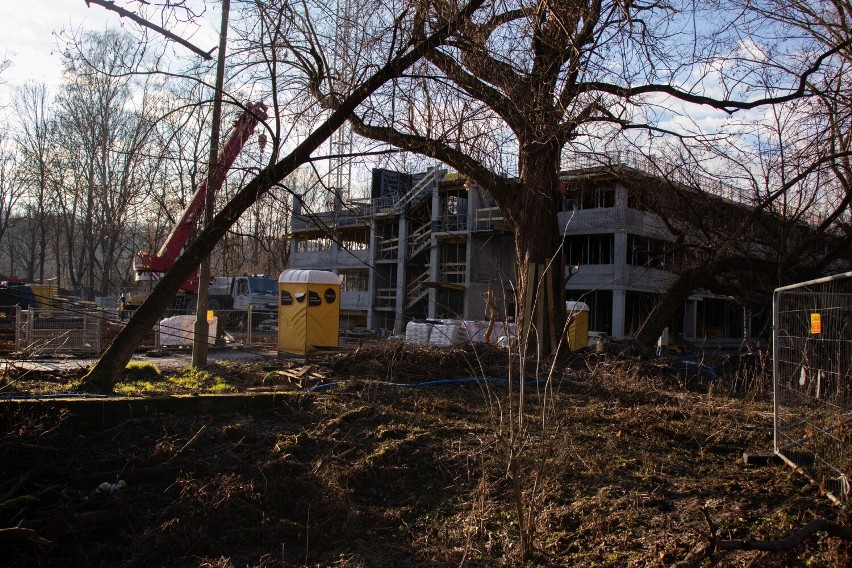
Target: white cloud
{"type": "Point", "coordinates": [27, 31]}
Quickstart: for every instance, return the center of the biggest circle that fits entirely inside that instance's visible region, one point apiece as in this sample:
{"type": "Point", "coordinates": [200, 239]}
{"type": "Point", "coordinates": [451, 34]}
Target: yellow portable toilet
{"type": "Point", "coordinates": [308, 310]}
{"type": "Point", "coordinates": [578, 330]}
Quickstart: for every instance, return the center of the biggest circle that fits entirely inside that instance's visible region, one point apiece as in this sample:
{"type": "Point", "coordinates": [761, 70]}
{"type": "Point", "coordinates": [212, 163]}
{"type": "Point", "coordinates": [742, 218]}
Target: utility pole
{"type": "Point", "coordinates": [202, 328]}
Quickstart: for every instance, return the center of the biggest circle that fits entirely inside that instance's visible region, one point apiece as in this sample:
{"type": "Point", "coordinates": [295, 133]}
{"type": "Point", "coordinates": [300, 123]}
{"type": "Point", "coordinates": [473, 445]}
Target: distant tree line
{"type": "Point", "coordinates": [101, 168]}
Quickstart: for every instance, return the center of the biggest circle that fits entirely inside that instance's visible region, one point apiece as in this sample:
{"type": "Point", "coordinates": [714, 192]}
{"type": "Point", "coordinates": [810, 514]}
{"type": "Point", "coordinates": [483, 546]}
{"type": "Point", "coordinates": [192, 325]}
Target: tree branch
{"type": "Point", "coordinates": [726, 105]}
{"type": "Point", "coordinates": [110, 5]}
{"type": "Point", "coordinates": [497, 101]}
{"type": "Point", "coordinates": [789, 542]}
{"type": "Point", "coordinates": [105, 372]}
{"type": "Point", "coordinates": [496, 185]}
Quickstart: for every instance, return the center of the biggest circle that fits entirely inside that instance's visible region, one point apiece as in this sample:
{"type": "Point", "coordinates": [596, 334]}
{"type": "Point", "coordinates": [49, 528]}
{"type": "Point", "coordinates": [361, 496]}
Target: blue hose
{"type": "Point", "coordinates": [460, 381]}
{"type": "Point", "coordinates": [53, 396]}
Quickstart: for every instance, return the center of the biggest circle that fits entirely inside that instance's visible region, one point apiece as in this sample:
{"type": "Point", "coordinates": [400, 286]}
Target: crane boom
{"type": "Point", "coordinates": [154, 266]}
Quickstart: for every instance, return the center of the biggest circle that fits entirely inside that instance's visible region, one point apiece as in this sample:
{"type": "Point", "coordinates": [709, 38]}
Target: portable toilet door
{"type": "Point", "coordinates": [308, 310]}
{"type": "Point", "coordinates": [578, 329]}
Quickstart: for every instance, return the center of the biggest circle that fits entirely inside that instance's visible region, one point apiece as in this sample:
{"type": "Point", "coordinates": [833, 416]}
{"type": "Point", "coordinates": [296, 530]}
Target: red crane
{"type": "Point", "coordinates": [156, 265]}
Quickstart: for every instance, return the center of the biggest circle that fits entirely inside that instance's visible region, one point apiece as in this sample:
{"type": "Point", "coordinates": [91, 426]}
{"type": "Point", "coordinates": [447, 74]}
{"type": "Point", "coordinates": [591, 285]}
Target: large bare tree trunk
{"type": "Point", "coordinates": [540, 265]}
{"type": "Point", "coordinates": [671, 302]}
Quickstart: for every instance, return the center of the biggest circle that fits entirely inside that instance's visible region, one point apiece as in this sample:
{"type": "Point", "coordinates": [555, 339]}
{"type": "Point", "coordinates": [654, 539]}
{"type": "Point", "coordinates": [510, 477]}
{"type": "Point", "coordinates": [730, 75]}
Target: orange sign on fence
{"type": "Point", "coordinates": [816, 324]}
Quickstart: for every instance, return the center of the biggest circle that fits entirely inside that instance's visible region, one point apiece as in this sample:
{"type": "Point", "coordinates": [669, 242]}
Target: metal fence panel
{"type": "Point", "coordinates": [46, 331]}
{"type": "Point", "coordinates": [252, 327]}
{"type": "Point", "coordinates": [50, 331]}
{"type": "Point", "coordinates": [812, 350]}
{"type": "Point", "coordinates": [233, 327]}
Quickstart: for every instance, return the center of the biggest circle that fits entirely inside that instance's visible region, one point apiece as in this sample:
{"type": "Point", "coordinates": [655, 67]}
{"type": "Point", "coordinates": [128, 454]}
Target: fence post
{"type": "Point", "coordinates": [249, 324]}
{"type": "Point", "coordinates": [19, 337]}
{"type": "Point", "coordinates": [30, 324]}
{"type": "Point", "coordinates": [776, 354]}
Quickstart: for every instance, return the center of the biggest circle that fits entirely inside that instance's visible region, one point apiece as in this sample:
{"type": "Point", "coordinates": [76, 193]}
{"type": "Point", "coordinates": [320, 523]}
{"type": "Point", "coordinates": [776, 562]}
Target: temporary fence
{"type": "Point", "coordinates": [247, 327]}
{"type": "Point", "coordinates": [57, 331]}
{"type": "Point", "coordinates": [81, 331]}
{"type": "Point", "coordinates": [812, 350]}
{"type": "Point", "coordinates": [227, 327]}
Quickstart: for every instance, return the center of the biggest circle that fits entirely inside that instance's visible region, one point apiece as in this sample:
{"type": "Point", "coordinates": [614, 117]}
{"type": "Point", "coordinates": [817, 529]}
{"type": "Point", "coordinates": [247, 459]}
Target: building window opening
{"type": "Point", "coordinates": [453, 262]}
{"type": "Point", "coordinates": [589, 198]}
{"type": "Point", "coordinates": [719, 318]}
{"type": "Point", "coordinates": [636, 200]}
{"type": "Point", "coordinates": [637, 308]}
{"type": "Point", "coordinates": [589, 249]}
{"type": "Point", "coordinates": [354, 280]}
{"type": "Point", "coordinates": [600, 307]}
{"type": "Point", "coordinates": [359, 240]}
{"type": "Point", "coordinates": [322, 244]}
{"type": "Point", "coordinates": [650, 252]}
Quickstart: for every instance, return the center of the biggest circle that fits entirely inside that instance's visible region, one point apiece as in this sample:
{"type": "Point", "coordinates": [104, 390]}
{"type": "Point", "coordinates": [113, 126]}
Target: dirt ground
{"type": "Point", "coordinates": [612, 462]}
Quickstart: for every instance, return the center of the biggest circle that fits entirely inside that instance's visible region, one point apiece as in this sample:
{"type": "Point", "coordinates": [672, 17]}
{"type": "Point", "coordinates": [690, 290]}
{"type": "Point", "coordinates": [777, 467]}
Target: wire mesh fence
{"type": "Point", "coordinates": [257, 328]}
{"type": "Point", "coordinates": [248, 327]}
{"type": "Point", "coordinates": [46, 332]}
{"type": "Point", "coordinates": [812, 349]}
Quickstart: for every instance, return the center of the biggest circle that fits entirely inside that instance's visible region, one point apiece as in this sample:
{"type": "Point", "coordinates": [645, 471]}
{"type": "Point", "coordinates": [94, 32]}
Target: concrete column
{"type": "Point", "coordinates": [618, 312]}
{"type": "Point", "coordinates": [402, 255]}
{"type": "Point", "coordinates": [621, 270]}
{"type": "Point", "coordinates": [434, 257]}
{"type": "Point", "coordinates": [371, 278]}
{"type": "Point", "coordinates": [335, 249]}
{"type": "Point", "coordinates": [619, 247]}
{"type": "Point", "coordinates": [469, 252]}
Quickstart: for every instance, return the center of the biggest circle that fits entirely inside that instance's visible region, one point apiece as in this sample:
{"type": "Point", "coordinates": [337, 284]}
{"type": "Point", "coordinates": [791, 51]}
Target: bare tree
{"type": "Point", "coordinates": [795, 164]}
{"type": "Point", "coordinates": [106, 136]}
{"type": "Point", "coordinates": [34, 140]}
{"type": "Point", "coordinates": [400, 56]}
{"type": "Point", "coordinates": [11, 188]}
{"type": "Point", "coordinates": [529, 80]}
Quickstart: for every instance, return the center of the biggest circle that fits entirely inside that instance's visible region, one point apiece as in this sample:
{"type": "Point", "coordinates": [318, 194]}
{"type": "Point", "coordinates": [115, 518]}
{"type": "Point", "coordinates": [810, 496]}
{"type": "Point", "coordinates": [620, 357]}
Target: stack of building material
{"type": "Point", "coordinates": [418, 333]}
{"type": "Point", "coordinates": [447, 334]}
{"type": "Point", "coordinates": [178, 331]}
{"type": "Point", "coordinates": [476, 330]}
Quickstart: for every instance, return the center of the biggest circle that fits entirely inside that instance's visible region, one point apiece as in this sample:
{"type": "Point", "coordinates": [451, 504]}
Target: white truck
{"type": "Point", "coordinates": [243, 292]}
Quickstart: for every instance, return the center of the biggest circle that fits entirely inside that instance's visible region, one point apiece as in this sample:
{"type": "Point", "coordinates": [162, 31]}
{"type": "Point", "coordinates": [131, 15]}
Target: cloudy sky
{"type": "Point", "coordinates": [27, 34]}
{"type": "Point", "coordinates": [29, 28]}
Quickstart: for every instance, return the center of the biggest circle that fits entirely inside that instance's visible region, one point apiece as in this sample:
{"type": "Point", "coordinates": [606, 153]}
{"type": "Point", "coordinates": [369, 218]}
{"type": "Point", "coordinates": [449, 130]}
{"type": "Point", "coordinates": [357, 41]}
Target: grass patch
{"type": "Point", "coordinates": [145, 378]}
{"type": "Point", "coordinates": [220, 386]}
{"type": "Point", "coordinates": [142, 371]}
{"type": "Point", "coordinates": [140, 377]}
{"type": "Point", "coordinates": [191, 378]}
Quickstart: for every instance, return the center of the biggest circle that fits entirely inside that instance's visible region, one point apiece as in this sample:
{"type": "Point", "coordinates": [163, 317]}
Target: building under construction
{"type": "Point", "coordinates": [434, 246]}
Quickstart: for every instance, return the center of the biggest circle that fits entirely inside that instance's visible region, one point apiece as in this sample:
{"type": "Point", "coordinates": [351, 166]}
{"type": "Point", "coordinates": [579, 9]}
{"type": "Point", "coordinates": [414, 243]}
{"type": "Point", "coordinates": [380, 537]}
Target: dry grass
{"type": "Point", "coordinates": [625, 455]}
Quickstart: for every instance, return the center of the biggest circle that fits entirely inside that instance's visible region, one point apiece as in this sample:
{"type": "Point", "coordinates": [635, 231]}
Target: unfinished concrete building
{"type": "Point", "coordinates": [434, 246]}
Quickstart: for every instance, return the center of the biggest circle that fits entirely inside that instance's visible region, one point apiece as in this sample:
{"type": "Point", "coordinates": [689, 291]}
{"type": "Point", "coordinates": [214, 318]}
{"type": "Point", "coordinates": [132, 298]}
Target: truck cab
{"type": "Point", "coordinates": [240, 292]}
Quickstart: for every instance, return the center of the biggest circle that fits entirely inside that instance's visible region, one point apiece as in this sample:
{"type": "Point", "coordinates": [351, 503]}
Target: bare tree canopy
{"type": "Point", "coordinates": [525, 81]}
{"type": "Point", "coordinates": [400, 57]}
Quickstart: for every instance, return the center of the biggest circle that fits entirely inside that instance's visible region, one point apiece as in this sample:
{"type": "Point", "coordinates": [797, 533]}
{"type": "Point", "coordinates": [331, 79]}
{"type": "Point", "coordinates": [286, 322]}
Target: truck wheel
{"type": "Point", "coordinates": [213, 304]}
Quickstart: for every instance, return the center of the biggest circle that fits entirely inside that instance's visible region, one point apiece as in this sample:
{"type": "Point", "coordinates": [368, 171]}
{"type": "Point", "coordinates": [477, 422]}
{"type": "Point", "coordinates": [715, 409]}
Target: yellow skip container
{"type": "Point", "coordinates": [308, 310]}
